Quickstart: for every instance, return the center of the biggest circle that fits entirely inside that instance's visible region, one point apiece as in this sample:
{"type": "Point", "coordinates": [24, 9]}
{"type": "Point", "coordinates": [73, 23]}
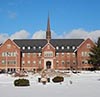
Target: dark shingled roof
{"type": "Point", "coordinates": [65, 43]}
{"type": "Point", "coordinates": [42, 42]}
{"type": "Point", "coordinates": [31, 43]}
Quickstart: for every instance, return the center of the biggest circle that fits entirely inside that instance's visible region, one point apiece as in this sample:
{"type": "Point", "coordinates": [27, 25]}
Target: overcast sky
{"type": "Point", "coordinates": [68, 18]}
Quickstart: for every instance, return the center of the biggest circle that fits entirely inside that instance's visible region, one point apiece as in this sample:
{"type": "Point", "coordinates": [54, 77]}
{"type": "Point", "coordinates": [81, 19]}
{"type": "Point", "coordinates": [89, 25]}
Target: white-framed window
{"type": "Point", "coordinates": [73, 47]}
{"type": "Point", "coordinates": [23, 62]}
{"type": "Point", "coordinates": [34, 54]}
{"type": "Point", "coordinates": [23, 47]}
{"type": "Point", "coordinates": [68, 47]}
{"type": "Point", "coordinates": [28, 62]}
{"type": "Point", "coordinates": [88, 45]}
{"type": "Point", "coordinates": [63, 62]}
{"type": "Point", "coordinates": [57, 47]}
{"type": "Point", "coordinates": [29, 47]}
{"type": "Point", "coordinates": [3, 61]}
{"type": "Point", "coordinates": [74, 62]}
{"type": "Point", "coordinates": [34, 62]}
{"type": "Point", "coordinates": [73, 54]}
{"type": "Point", "coordinates": [34, 47]}
{"type": "Point", "coordinates": [23, 54]}
{"type": "Point", "coordinates": [8, 46]}
{"type": "Point", "coordinates": [68, 62]}
{"type": "Point", "coordinates": [62, 54]}
{"type": "Point", "coordinates": [39, 54]}
{"type": "Point", "coordinates": [68, 54]}
{"type": "Point", "coordinates": [62, 47]}
{"type": "Point", "coordinates": [39, 47]}
{"type": "Point", "coordinates": [28, 54]}
{"type": "Point", "coordinates": [40, 62]}
{"type": "Point", "coordinates": [48, 54]}
{"type": "Point", "coordinates": [57, 54]}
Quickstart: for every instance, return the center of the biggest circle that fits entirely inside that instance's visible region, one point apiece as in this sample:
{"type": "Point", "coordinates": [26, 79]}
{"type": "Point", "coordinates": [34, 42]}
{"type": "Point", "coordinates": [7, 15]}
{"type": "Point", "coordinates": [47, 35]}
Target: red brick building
{"type": "Point", "coordinates": [34, 54]}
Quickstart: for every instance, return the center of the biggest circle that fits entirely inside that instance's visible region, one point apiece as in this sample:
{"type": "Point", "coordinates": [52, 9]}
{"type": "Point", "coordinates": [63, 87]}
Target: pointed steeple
{"type": "Point", "coordinates": [48, 32]}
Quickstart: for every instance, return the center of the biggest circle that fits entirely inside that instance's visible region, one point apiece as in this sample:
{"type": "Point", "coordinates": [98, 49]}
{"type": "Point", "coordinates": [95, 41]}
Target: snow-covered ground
{"type": "Point", "coordinates": [84, 84]}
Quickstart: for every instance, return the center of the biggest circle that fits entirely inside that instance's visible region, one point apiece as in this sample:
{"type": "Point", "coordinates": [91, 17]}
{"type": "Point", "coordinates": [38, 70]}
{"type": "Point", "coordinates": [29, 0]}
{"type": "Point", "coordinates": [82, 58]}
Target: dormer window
{"type": "Point", "coordinates": [34, 47]}
{"type": "Point", "coordinates": [39, 47]}
{"type": "Point", "coordinates": [23, 47]}
{"type": "Point", "coordinates": [29, 47]}
{"type": "Point", "coordinates": [57, 47]}
{"type": "Point", "coordinates": [73, 47]}
{"type": "Point", "coordinates": [62, 47]}
{"type": "Point", "coordinates": [68, 47]}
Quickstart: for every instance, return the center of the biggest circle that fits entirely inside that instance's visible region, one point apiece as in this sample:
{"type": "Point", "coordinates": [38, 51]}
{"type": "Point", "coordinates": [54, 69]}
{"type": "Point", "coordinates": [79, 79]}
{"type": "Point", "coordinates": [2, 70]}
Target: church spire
{"type": "Point", "coordinates": [48, 32]}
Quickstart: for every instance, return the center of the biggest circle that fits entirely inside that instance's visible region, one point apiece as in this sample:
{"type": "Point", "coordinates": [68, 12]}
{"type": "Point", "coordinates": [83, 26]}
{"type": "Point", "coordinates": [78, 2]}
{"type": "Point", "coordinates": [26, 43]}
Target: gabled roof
{"type": "Point", "coordinates": [42, 42]}
{"type": "Point", "coordinates": [65, 43]}
{"type": "Point", "coordinates": [31, 43]}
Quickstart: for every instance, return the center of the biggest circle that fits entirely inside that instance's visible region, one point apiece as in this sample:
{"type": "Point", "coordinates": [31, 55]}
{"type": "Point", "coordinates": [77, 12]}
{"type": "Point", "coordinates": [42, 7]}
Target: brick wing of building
{"type": "Point", "coordinates": [36, 54]}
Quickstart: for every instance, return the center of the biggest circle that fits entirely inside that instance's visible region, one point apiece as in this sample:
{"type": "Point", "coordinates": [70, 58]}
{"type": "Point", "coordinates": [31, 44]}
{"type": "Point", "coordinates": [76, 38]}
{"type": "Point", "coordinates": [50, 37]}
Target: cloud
{"type": "Point", "coordinates": [74, 34]}
{"type": "Point", "coordinates": [39, 35]}
{"type": "Point", "coordinates": [22, 34]}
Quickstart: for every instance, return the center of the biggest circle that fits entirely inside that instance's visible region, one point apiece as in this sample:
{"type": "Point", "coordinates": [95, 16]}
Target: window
{"type": "Point", "coordinates": [23, 47]}
{"type": "Point", "coordinates": [57, 62]}
{"type": "Point", "coordinates": [62, 47]}
{"type": "Point", "coordinates": [88, 46]}
{"type": "Point", "coordinates": [34, 54]}
{"type": "Point", "coordinates": [23, 54]}
{"type": "Point", "coordinates": [28, 54]}
{"type": "Point", "coordinates": [39, 47]}
{"type": "Point", "coordinates": [28, 62]}
{"type": "Point", "coordinates": [57, 54]}
{"type": "Point", "coordinates": [40, 62]}
{"type": "Point", "coordinates": [48, 54]}
{"type": "Point", "coordinates": [63, 62]}
{"type": "Point", "coordinates": [3, 62]}
{"type": "Point", "coordinates": [73, 47]}
{"type": "Point", "coordinates": [68, 47]}
{"type": "Point", "coordinates": [23, 62]}
{"type": "Point", "coordinates": [74, 62]}
{"type": "Point", "coordinates": [8, 46]}
{"type": "Point", "coordinates": [73, 54]}
{"type": "Point", "coordinates": [62, 54]}
{"type": "Point", "coordinates": [68, 62]}
{"type": "Point", "coordinates": [39, 54]}
{"type": "Point", "coordinates": [34, 62]}
{"type": "Point", "coordinates": [57, 47]}
{"type": "Point", "coordinates": [68, 54]}
{"type": "Point", "coordinates": [34, 47]}
{"type": "Point", "coordinates": [29, 47]}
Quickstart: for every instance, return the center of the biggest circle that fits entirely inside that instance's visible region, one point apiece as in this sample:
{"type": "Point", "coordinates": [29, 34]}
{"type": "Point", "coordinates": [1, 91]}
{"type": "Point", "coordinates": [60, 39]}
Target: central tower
{"type": "Point", "coordinates": [48, 32]}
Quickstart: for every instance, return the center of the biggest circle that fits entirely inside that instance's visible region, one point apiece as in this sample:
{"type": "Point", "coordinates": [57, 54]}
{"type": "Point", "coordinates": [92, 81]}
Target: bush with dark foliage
{"type": "Point", "coordinates": [21, 82]}
{"type": "Point", "coordinates": [58, 79]}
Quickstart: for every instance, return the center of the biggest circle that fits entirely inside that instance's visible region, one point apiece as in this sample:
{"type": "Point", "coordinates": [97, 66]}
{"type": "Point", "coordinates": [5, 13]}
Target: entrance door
{"type": "Point", "coordinates": [48, 64]}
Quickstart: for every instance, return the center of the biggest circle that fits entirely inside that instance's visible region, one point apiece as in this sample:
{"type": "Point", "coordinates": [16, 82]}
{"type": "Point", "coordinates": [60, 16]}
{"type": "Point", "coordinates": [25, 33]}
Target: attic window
{"type": "Point", "coordinates": [57, 47]}
{"type": "Point", "coordinates": [34, 47]}
{"type": "Point", "coordinates": [23, 47]}
{"type": "Point", "coordinates": [73, 47]}
{"type": "Point", "coordinates": [68, 47]}
{"type": "Point", "coordinates": [39, 47]}
{"type": "Point", "coordinates": [62, 47]}
{"type": "Point", "coordinates": [29, 47]}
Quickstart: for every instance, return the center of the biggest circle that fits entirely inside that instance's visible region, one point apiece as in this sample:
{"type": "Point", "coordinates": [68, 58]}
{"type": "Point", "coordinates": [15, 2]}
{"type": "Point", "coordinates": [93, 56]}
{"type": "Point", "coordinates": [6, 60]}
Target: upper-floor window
{"type": "Point", "coordinates": [34, 47]}
{"type": "Point", "coordinates": [57, 47]}
{"type": "Point", "coordinates": [8, 46]}
{"type": "Point", "coordinates": [62, 47]}
{"type": "Point", "coordinates": [23, 54]}
{"type": "Point", "coordinates": [62, 54]}
{"type": "Point", "coordinates": [68, 54]}
{"type": "Point", "coordinates": [23, 47]}
{"type": "Point", "coordinates": [48, 54]}
{"type": "Point", "coordinates": [88, 45]}
{"type": "Point", "coordinates": [39, 47]}
{"type": "Point", "coordinates": [29, 47]}
{"type": "Point", "coordinates": [63, 62]}
{"type": "Point", "coordinates": [68, 47]}
{"type": "Point", "coordinates": [73, 47]}
{"type": "Point", "coordinates": [57, 54]}
{"type": "Point", "coordinates": [28, 62]}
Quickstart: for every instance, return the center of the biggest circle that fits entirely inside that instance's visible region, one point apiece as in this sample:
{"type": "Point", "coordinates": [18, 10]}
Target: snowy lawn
{"type": "Point", "coordinates": [85, 84]}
